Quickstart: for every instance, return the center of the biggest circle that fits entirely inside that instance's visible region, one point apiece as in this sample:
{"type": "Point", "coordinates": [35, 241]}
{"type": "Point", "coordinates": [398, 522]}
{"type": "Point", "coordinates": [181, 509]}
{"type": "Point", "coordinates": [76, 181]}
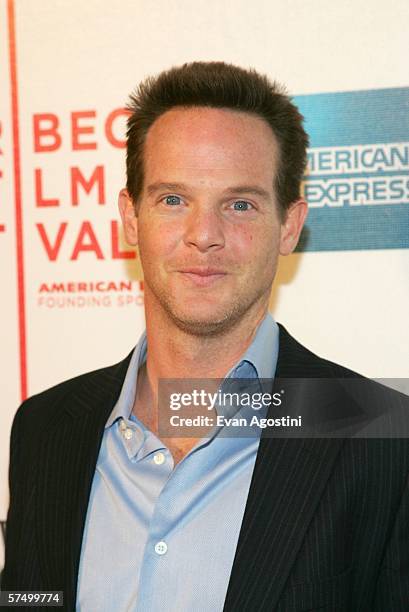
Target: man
{"type": "Point", "coordinates": [101, 507]}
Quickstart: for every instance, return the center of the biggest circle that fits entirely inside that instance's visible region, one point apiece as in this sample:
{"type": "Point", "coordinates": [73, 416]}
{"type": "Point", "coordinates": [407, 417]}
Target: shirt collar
{"type": "Point", "coordinates": [124, 405]}
{"type": "Point", "coordinates": [262, 353]}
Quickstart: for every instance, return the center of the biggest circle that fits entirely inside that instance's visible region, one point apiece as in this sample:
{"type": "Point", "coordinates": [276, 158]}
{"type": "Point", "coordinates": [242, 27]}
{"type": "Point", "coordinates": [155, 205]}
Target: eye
{"type": "Point", "coordinates": [242, 205]}
{"type": "Point", "coordinates": [172, 200]}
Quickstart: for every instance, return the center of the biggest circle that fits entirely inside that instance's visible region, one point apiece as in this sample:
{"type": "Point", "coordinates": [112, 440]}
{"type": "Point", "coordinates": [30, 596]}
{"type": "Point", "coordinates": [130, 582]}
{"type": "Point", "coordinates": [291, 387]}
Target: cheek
{"type": "Point", "coordinates": [156, 240]}
{"type": "Point", "coordinates": [256, 245]}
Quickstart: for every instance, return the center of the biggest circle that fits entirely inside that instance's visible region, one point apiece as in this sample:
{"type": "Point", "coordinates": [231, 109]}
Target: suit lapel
{"type": "Point", "coordinates": [69, 453]}
{"type": "Point", "coordinates": [288, 480]}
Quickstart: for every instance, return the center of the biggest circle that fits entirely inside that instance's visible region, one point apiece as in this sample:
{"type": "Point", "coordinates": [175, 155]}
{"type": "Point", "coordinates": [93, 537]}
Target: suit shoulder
{"type": "Point", "coordinates": [379, 412]}
{"type": "Point", "coordinates": [305, 363]}
{"type": "Point", "coordinates": [40, 405]}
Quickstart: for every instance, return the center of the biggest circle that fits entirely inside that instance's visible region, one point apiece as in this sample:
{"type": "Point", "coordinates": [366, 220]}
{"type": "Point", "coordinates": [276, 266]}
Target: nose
{"type": "Point", "coordinates": [204, 230]}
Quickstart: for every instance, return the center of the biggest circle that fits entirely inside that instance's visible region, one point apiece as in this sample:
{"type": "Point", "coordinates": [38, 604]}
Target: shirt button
{"type": "Point", "coordinates": [161, 548]}
{"type": "Point", "coordinates": [159, 458]}
{"type": "Point", "coordinates": [128, 433]}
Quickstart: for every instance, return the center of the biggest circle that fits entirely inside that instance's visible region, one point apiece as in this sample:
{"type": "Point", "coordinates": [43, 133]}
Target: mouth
{"type": "Point", "coordinates": [202, 277]}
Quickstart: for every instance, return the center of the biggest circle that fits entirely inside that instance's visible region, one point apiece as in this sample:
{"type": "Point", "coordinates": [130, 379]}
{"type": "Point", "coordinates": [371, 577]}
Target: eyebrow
{"type": "Point", "coordinates": [250, 189]}
{"type": "Point", "coordinates": [158, 186]}
{"type": "Point", "coordinates": [236, 190]}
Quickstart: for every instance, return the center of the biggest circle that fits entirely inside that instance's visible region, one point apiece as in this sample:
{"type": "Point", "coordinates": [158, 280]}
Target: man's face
{"type": "Point", "coordinates": [208, 226]}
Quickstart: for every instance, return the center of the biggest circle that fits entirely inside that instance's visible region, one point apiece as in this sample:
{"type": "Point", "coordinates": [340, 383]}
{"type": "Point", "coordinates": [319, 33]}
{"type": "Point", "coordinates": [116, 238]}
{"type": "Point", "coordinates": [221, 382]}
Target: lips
{"type": "Point", "coordinates": [202, 276]}
{"type": "Point", "coordinates": [203, 271]}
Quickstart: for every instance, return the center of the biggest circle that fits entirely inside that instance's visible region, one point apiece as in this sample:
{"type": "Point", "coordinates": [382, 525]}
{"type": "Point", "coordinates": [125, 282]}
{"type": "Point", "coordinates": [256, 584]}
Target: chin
{"type": "Point", "coordinates": [206, 324]}
{"type": "Point", "coordinates": [210, 315]}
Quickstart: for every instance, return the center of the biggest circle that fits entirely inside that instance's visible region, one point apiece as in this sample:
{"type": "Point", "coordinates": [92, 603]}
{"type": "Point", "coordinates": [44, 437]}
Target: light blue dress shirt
{"type": "Point", "coordinates": [160, 538]}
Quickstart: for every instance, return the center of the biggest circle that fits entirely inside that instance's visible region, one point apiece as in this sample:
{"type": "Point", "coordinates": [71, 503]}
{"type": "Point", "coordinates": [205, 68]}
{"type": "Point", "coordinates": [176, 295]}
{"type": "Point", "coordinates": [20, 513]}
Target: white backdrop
{"type": "Point", "coordinates": [72, 65]}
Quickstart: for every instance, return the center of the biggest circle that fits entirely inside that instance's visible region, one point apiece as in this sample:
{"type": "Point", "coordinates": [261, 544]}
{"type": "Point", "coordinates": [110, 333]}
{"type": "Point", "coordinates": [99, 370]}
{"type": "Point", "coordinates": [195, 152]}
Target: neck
{"type": "Point", "coordinates": [175, 353]}
{"type": "Point", "coordinates": [172, 352]}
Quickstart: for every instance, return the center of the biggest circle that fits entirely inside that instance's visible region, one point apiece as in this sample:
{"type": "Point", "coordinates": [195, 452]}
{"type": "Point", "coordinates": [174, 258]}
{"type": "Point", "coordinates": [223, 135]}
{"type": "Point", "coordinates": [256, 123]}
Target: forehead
{"type": "Point", "coordinates": [211, 139]}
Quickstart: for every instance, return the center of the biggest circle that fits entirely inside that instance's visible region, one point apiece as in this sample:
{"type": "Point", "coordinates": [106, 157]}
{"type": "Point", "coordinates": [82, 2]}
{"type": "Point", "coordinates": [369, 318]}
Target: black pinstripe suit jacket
{"type": "Point", "coordinates": [326, 525]}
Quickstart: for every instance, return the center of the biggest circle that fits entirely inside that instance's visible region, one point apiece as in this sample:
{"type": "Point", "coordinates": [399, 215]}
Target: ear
{"type": "Point", "coordinates": [292, 226]}
{"type": "Point", "coordinates": [129, 217]}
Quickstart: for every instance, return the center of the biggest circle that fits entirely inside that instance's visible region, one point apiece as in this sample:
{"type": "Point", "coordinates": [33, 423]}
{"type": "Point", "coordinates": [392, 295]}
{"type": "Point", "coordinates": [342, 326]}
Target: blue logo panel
{"type": "Point", "coordinates": [357, 182]}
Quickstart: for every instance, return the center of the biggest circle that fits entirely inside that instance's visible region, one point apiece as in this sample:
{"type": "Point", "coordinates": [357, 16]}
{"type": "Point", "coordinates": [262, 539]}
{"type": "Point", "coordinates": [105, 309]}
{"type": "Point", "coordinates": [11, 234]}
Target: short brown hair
{"type": "Point", "coordinates": [219, 85]}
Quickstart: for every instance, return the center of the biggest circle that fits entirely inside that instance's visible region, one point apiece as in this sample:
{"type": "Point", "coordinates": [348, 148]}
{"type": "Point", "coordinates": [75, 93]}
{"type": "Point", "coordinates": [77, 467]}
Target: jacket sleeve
{"type": "Point", "coordinates": [392, 593]}
{"type": "Point", "coordinates": [21, 570]}
{"type": "Point", "coordinates": [7, 582]}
